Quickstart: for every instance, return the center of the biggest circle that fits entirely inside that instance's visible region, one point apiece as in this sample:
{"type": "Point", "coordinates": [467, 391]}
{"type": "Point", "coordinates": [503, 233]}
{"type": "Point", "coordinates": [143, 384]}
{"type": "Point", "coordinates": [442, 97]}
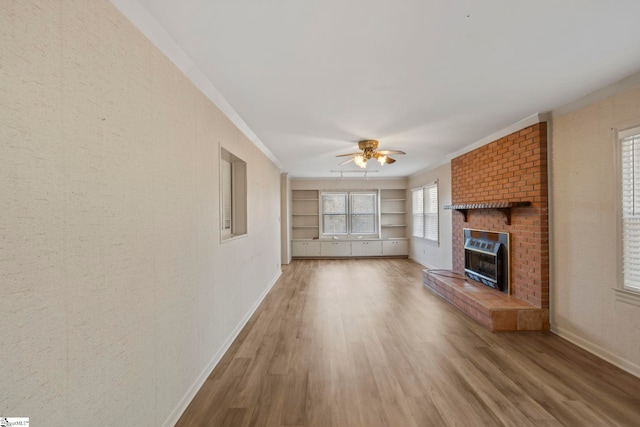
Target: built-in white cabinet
{"type": "Point", "coordinates": [395, 247]}
{"type": "Point", "coordinates": [350, 248]}
{"type": "Point", "coordinates": [305, 249]}
{"type": "Point", "coordinates": [366, 248]}
{"type": "Point", "coordinates": [335, 249]}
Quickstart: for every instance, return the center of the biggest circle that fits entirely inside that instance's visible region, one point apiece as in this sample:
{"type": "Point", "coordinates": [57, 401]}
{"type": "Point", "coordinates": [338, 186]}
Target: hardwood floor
{"type": "Point", "coordinates": [363, 343]}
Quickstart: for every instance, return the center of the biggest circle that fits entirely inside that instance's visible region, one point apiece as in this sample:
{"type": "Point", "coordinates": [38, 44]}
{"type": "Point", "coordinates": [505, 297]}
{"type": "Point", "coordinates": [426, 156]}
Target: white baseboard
{"type": "Point", "coordinates": [601, 352]}
{"type": "Point", "coordinates": [422, 263]}
{"type": "Point", "coordinates": [175, 415]}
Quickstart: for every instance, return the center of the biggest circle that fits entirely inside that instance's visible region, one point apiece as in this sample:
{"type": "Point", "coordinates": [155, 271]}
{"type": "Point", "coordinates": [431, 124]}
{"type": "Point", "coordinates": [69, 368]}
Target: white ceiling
{"type": "Point", "coordinates": [311, 78]}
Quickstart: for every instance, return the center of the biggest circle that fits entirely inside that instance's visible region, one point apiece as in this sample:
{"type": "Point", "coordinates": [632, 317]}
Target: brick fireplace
{"type": "Point", "coordinates": [511, 169]}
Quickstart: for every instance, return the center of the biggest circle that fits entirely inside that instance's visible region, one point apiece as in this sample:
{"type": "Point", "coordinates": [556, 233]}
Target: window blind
{"type": "Point", "coordinates": [424, 211]}
{"type": "Point", "coordinates": [630, 165]}
{"type": "Point", "coordinates": [417, 210]}
{"type": "Point", "coordinates": [431, 212]}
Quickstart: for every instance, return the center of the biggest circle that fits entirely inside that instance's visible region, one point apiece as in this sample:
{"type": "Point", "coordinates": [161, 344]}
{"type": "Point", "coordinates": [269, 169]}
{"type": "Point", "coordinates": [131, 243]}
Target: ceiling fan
{"type": "Point", "coordinates": [369, 149]}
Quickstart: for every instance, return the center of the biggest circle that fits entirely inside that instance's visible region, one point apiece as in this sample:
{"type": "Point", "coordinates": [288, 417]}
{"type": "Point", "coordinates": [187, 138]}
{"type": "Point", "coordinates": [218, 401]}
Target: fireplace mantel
{"type": "Point", "coordinates": [504, 207]}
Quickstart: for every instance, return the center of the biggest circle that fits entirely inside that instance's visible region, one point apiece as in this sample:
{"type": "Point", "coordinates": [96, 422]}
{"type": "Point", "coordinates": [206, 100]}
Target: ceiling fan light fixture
{"type": "Point", "coordinates": [369, 149]}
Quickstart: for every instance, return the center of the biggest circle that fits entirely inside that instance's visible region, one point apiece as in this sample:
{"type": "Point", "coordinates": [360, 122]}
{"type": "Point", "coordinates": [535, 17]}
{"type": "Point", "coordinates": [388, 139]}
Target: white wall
{"type": "Point", "coordinates": [117, 295]}
{"type": "Point", "coordinates": [423, 251]}
{"type": "Point", "coordinates": [584, 263]}
{"type": "Point", "coordinates": [348, 183]}
{"type": "Point", "coordinates": [285, 218]}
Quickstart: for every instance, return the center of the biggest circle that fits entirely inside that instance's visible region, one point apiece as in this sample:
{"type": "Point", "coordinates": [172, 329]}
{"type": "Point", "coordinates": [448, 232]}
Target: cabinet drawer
{"type": "Point", "coordinates": [337, 249]}
{"type": "Point", "coordinates": [366, 248]}
{"type": "Point", "coordinates": [301, 249]}
{"type": "Point", "coordinates": [395, 247]}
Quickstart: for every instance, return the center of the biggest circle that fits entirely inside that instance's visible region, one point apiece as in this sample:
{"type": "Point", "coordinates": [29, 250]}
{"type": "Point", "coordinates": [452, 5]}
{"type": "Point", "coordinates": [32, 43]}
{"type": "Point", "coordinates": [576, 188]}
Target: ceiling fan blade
{"type": "Point", "coordinates": [344, 163]}
{"type": "Point", "coordinates": [350, 154]}
{"type": "Point", "coordinates": [385, 152]}
{"type": "Point", "coordinates": [389, 160]}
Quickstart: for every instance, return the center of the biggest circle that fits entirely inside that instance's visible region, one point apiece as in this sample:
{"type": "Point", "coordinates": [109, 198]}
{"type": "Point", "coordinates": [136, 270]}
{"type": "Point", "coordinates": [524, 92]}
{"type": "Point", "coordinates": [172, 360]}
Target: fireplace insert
{"type": "Point", "coordinates": [486, 258]}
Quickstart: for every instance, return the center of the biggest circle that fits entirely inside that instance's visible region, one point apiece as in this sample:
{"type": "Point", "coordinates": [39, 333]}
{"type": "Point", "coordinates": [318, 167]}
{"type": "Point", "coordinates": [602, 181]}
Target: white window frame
{"type": "Point", "coordinates": [226, 197]}
{"type": "Point", "coordinates": [628, 172]}
{"type": "Point", "coordinates": [349, 214]}
{"type": "Point", "coordinates": [233, 196]}
{"type": "Point", "coordinates": [425, 213]}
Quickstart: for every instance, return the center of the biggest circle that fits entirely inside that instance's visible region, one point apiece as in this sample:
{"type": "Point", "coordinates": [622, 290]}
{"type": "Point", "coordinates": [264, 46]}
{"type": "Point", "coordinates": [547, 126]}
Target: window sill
{"type": "Point", "coordinates": [627, 296]}
{"type": "Point", "coordinates": [431, 241]}
{"type": "Point", "coordinates": [228, 238]}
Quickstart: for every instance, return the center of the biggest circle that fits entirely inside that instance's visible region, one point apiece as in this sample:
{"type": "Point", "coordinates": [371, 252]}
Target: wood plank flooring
{"type": "Point", "coordinates": [363, 343]}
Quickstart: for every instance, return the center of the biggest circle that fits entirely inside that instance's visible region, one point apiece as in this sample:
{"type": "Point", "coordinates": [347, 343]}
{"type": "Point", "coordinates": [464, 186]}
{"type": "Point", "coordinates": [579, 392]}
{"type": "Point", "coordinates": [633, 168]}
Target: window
{"type": "Point", "coordinates": [630, 186]}
{"type": "Point", "coordinates": [363, 213]}
{"type": "Point", "coordinates": [334, 213]}
{"type": "Point", "coordinates": [349, 212]}
{"type": "Point", "coordinates": [233, 195]}
{"type": "Point", "coordinates": [424, 212]}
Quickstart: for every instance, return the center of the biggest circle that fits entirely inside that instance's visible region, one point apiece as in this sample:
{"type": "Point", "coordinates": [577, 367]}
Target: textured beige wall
{"type": "Point", "coordinates": [583, 225]}
{"type": "Point", "coordinates": [425, 252]}
{"type": "Point", "coordinates": [117, 296]}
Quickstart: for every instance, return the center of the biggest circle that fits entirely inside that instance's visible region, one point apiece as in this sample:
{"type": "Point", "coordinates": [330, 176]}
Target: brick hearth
{"type": "Point", "coordinates": [494, 310]}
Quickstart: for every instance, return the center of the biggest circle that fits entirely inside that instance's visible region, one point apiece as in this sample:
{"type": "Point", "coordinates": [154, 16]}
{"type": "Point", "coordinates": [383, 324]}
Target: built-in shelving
{"type": "Point", "coordinates": [393, 213]}
{"type": "Point", "coordinates": [305, 214]}
{"type": "Point", "coordinates": [392, 228]}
